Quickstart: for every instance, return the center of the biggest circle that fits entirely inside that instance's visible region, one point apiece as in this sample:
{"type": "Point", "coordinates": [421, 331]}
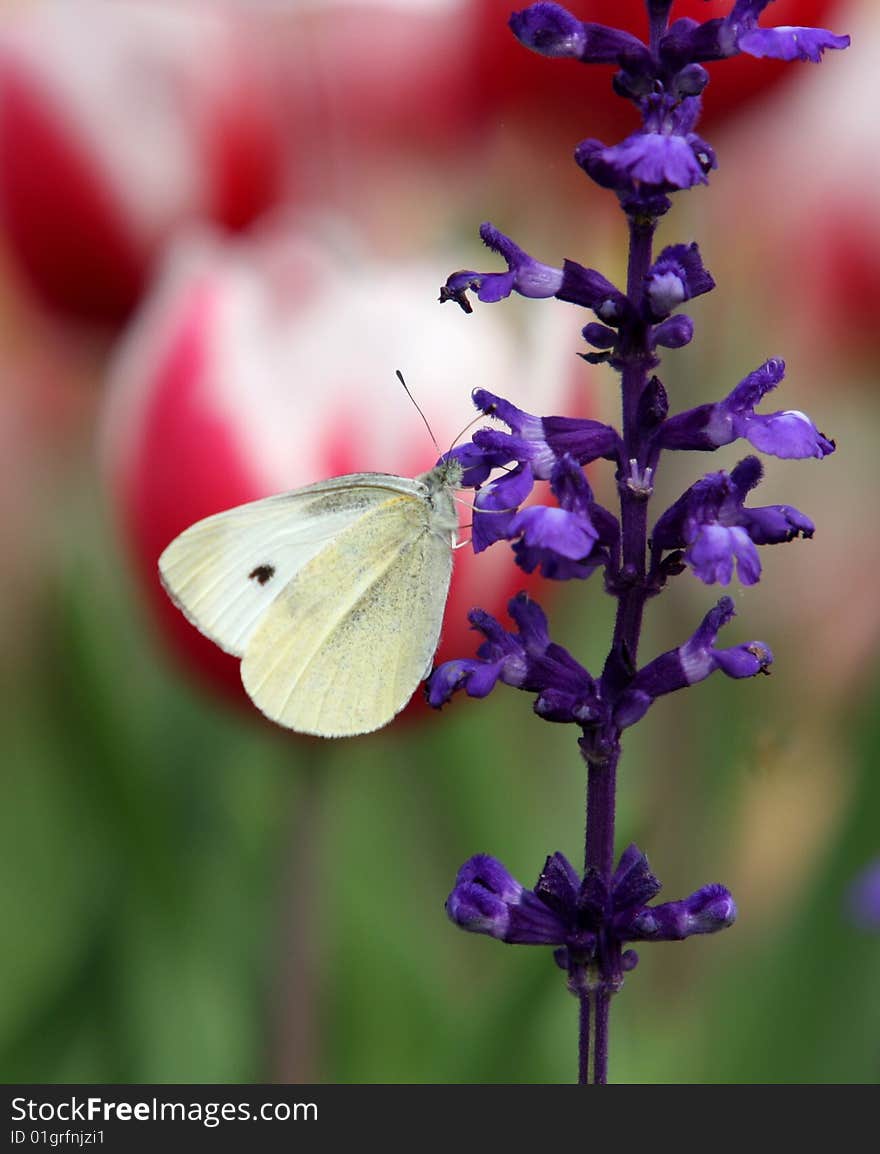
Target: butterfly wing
{"type": "Point", "coordinates": [225, 572]}
{"type": "Point", "coordinates": [343, 647]}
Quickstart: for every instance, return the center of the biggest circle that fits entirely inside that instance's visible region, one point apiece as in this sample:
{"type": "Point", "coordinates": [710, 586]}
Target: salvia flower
{"type": "Point", "coordinates": [541, 442]}
{"type": "Point", "coordinates": [739, 32]}
{"type": "Point", "coordinates": [716, 530]}
{"type": "Point", "coordinates": [587, 919]}
{"type": "Point", "coordinates": [530, 278]}
{"type": "Point", "coordinates": [788, 434]}
{"type": "Point", "coordinates": [666, 155]}
{"type": "Point", "coordinates": [690, 663]}
{"type": "Point", "coordinates": [524, 275]}
{"type": "Point", "coordinates": [676, 276]}
{"type": "Point", "coordinates": [571, 540]}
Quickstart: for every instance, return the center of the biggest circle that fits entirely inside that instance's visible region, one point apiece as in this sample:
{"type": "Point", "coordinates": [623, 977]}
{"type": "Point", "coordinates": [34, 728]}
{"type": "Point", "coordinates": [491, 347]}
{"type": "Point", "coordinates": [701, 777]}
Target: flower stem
{"type": "Point", "coordinates": [585, 1036]}
{"type": "Point", "coordinates": [635, 361]}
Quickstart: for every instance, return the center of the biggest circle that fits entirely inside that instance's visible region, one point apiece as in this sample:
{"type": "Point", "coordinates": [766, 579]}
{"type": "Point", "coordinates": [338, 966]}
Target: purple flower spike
{"type": "Point", "coordinates": [692, 662]}
{"type": "Point", "coordinates": [551, 30]}
{"type": "Point", "coordinates": [789, 434]}
{"type": "Point", "coordinates": [863, 899]}
{"type": "Point", "coordinates": [717, 532]}
{"type": "Point", "coordinates": [524, 275]}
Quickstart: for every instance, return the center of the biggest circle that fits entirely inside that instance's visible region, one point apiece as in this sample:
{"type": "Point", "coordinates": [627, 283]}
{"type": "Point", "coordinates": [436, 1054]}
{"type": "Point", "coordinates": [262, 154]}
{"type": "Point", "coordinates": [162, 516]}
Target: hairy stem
{"type": "Point", "coordinates": [635, 361]}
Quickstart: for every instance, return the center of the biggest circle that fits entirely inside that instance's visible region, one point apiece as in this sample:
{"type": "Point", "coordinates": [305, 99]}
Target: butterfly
{"type": "Point", "coordinates": [332, 595]}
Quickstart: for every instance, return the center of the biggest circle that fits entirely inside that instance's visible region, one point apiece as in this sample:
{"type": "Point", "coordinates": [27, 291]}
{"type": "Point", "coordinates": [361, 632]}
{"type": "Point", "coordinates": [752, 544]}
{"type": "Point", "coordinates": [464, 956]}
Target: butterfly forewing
{"type": "Point", "coordinates": [345, 644]}
{"type": "Point", "coordinates": [225, 571]}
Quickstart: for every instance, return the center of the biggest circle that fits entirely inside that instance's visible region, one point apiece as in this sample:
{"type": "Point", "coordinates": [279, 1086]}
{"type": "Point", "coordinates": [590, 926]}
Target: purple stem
{"type": "Point", "coordinates": [635, 359]}
{"type": "Point", "coordinates": [584, 1051]}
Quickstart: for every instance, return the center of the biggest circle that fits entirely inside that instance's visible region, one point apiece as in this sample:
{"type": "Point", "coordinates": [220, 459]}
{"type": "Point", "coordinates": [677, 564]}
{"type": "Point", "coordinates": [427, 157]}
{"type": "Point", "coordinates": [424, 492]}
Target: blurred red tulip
{"type": "Point", "coordinates": [568, 98]}
{"type": "Point", "coordinates": [259, 366]}
{"type": "Point", "coordinates": [118, 122]}
{"type": "Point", "coordinates": [366, 73]}
{"type": "Point", "coordinates": [818, 244]}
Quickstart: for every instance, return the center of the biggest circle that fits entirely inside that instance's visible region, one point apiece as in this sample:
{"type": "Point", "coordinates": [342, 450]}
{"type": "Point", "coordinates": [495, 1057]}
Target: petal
{"type": "Point", "coordinates": [789, 43]}
{"type": "Point", "coordinates": [719, 546]}
{"type": "Point", "coordinates": [570, 535]}
{"type": "Point", "coordinates": [790, 435]}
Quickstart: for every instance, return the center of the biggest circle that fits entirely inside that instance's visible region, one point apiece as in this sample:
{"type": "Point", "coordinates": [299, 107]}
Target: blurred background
{"type": "Point", "coordinates": [224, 226]}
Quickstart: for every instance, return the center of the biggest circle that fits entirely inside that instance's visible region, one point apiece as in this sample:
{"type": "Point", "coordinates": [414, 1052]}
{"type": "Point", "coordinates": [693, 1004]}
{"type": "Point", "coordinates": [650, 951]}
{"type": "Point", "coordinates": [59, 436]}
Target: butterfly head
{"type": "Point", "coordinates": [446, 475]}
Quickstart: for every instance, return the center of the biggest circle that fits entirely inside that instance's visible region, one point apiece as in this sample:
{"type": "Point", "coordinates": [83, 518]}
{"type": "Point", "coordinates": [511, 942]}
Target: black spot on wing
{"type": "Point", "coordinates": [262, 573]}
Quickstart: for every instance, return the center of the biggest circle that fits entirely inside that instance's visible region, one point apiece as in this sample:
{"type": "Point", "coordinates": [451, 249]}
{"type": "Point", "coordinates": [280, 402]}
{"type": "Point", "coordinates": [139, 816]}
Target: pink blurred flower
{"type": "Point", "coordinates": [119, 122]}
{"type": "Point", "coordinates": [368, 73]}
{"type": "Point", "coordinates": [259, 366]}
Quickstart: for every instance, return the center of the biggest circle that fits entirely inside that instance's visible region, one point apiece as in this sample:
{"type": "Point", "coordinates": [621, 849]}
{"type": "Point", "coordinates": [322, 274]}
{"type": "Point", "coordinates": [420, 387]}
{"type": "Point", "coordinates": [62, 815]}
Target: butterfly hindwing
{"type": "Point", "coordinates": [343, 647]}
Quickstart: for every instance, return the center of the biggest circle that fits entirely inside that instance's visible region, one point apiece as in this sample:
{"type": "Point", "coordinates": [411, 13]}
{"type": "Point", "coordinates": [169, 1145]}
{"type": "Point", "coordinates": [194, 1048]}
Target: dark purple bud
{"type": "Point", "coordinates": [674, 333]}
{"type": "Point", "coordinates": [710, 909]}
{"type": "Point", "coordinates": [691, 80]}
{"type": "Point", "coordinates": [599, 336]}
{"type": "Point", "coordinates": [551, 30]}
{"type": "Point", "coordinates": [653, 404]}
{"type": "Point", "coordinates": [481, 898]}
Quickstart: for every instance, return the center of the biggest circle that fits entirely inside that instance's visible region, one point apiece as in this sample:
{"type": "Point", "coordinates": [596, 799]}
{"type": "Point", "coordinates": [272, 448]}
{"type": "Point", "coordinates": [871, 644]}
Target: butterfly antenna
{"type": "Point", "coordinates": [399, 376]}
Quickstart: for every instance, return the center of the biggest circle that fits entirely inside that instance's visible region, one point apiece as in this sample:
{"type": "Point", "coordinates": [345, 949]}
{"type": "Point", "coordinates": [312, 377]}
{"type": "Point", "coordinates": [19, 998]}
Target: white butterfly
{"type": "Point", "coordinates": [332, 595]}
